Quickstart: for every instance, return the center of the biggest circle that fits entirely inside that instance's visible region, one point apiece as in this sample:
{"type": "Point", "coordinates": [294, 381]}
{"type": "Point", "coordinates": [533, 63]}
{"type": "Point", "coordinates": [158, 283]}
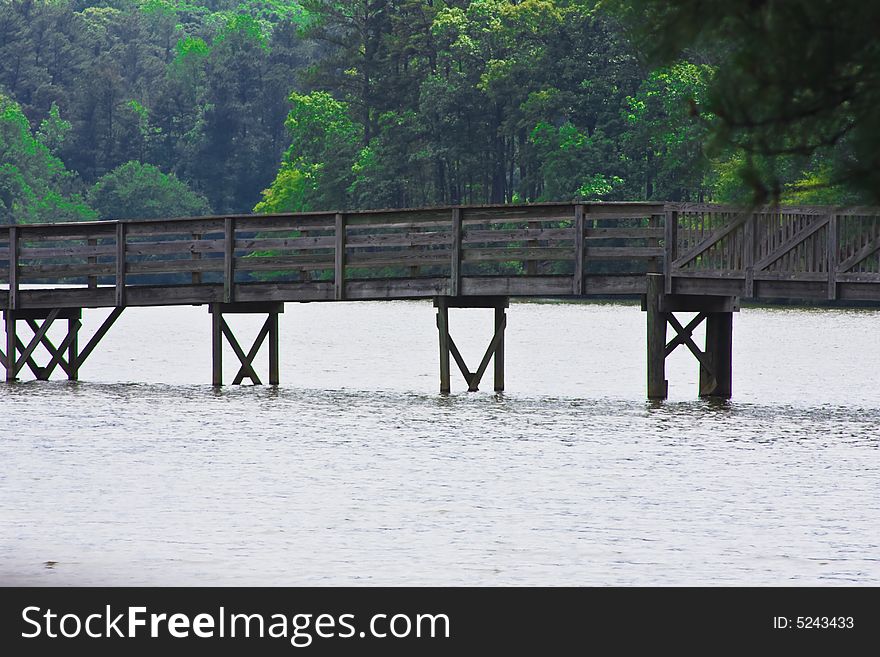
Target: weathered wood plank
{"type": "Point", "coordinates": [624, 252]}
{"type": "Point", "coordinates": [120, 263]}
{"type": "Point", "coordinates": [170, 248]}
{"type": "Point", "coordinates": [171, 227]}
{"type": "Point", "coordinates": [417, 218]}
{"type": "Point", "coordinates": [61, 271]}
{"type": "Point", "coordinates": [456, 255]}
{"type": "Point", "coordinates": [519, 213]}
{"type": "Point", "coordinates": [176, 266]}
{"type": "Point", "coordinates": [285, 263]}
{"type": "Point", "coordinates": [339, 258]}
{"type": "Point", "coordinates": [624, 233]}
{"type": "Point", "coordinates": [57, 232]}
{"type": "Point", "coordinates": [398, 258]}
{"type": "Point", "coordinates": [373, 229]}
{"type": "Point", "coordinates": [521, 222]}
{"type": "Point", "coordinates": [471, 236]}
{"type": "Point", "coordinates": [503, 255]}
{"type": "Point", "coordinates": [12, 299]}
{"type": "Point", "coordinates": [228, 260]}
{"type": "Point", "coordinates": [516, 285]}
{"type": "Point", "coordinates": [401, 288]}
{"type": "Point", "coordinates": [281, 243]}
{"type": "Point", "coordinates": [400, 239]}
{"type": "Point", "coordinates": [579, 232]}
{"type": "Point", "coordinates": [79, 251]}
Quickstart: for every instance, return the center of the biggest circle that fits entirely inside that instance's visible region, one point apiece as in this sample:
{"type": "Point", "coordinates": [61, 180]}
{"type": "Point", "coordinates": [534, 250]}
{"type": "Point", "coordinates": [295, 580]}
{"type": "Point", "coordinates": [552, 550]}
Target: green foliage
{"type": "Point", "coordinates": [391, 103]}
{"type": "Point", "coordinates": [53, 130]}
{"type": "Point", "coordinates": [666, 134]}
{"type": "Point", "coordinates": [142, 191]}
{"type": "Point", "coordinates": [35, 187]}
{"type": "Point", "coordinates": [317, 168]}
{"type": "Point", "coordinates": [794, 80]}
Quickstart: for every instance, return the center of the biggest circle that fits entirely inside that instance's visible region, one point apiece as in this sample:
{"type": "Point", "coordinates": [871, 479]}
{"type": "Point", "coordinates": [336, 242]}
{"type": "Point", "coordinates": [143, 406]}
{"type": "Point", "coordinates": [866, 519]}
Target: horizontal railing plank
{"type": "Point", "coordinates": [622, 233]}
{"type": "Point", "coordinates": [502, 255]}
{"type": "Point", "coordinates": [516, 235]}
{"type": "Point", "coordinates": [623, 252]}
{"type": "Point", "coordinates": [284, 263]}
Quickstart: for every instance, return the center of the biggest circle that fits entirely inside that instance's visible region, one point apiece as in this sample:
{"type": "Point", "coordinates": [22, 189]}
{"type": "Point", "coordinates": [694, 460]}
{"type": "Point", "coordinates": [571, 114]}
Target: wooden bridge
{"type": "Point", "coordinates": [680, 257]}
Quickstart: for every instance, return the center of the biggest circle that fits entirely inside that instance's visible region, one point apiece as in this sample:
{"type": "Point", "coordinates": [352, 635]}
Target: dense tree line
{"type": "Point", "coordinates": [125, 108]}
{"type": "Point", "coordinates": [199, 91]}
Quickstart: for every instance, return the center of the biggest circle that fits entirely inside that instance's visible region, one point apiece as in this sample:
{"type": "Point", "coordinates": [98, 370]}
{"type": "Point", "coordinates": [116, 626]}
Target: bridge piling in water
{"type": "Point", "coordinates": [66, 355]}
{"type": "Point", "coordinates": [715, 360]}
{"type": "Point", "coordinates": [495, 350]}
{"type": "Point", "coordinates": [462, 256]}
{"type": "Point", "coordinates": [220, 329]}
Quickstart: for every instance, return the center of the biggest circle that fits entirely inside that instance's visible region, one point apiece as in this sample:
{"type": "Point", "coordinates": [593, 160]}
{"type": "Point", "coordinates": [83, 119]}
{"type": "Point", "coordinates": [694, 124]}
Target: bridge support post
{"type": "Point", "coordinates": [66, 355]}
{"type": "Point", "coordinates": [715, 361]}
{"type": "Point", "coordinates": [220, 329]}
{"type": "Point", "coordinates": [658, 386]}
{"type": "Point", "coordinates": [495, 350]}
{"type": "Point", "coordinates": [719, 349]}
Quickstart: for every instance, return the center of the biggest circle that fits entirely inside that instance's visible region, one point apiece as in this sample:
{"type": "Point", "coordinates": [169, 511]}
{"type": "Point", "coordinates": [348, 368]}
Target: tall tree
{"type": "Point", "coordinates": [794, 79]}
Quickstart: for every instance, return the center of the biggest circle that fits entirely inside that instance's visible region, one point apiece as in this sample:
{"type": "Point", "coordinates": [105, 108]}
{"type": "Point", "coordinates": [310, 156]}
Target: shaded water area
{"type": "Point", "coordinates": [356, 471]}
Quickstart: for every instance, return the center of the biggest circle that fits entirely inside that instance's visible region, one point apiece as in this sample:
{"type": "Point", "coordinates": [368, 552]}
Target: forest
{"type": "Point", "coordinates": [123, 109]}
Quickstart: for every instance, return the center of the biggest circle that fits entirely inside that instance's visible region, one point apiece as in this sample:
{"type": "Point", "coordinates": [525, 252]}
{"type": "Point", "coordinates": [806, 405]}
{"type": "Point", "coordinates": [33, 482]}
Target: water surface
{"type": "Point", "coordinates": [356, 471]}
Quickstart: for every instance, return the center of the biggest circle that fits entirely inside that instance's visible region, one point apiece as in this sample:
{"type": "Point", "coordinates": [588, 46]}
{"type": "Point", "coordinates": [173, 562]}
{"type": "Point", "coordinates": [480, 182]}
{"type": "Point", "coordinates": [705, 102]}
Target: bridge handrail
{"type": "Point", "coordinates": [455, 247]}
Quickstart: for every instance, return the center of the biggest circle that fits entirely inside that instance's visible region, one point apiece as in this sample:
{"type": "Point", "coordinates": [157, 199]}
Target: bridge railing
{"type": "Point", "coordinates": [771, 247]}
{"type": "Point", "coordinates": [460, 250]}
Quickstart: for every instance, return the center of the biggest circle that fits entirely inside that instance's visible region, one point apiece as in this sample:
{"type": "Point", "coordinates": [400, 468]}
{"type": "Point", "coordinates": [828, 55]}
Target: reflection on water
{"type": "Point", "coordinates": [356, 471]}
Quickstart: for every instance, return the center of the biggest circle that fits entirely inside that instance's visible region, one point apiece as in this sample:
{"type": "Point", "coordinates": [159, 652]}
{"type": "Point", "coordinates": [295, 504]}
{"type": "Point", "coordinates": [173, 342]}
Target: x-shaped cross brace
{"type": "Point", "coordinates": [221, 331]}
{"type": "Point", "coordinates": [448, 346]}
{"type": "Point", "coordinates": [65, 355]}
{"type": "Point", "coordinates": [246, 359]}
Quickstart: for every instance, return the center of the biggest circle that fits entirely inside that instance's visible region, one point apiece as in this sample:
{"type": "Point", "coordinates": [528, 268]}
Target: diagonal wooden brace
{"type": "Point", "coordinates": [684, 335]}
{"type": "Point", "coordinates": [66, 355]}
{"type": "Point", "coordinates": [221, 331]}
{"type": "Point", "coordinates": [494, 350]}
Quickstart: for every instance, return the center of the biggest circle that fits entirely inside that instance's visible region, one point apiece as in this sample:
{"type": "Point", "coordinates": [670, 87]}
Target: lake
{"type": "Point", "coordinates": [357, 471]}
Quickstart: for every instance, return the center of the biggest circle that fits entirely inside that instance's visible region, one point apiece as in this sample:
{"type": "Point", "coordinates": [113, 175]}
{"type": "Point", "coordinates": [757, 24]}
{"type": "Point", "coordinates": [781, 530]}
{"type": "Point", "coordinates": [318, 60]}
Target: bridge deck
{"type": "Point", "coordinates": [557, 249]}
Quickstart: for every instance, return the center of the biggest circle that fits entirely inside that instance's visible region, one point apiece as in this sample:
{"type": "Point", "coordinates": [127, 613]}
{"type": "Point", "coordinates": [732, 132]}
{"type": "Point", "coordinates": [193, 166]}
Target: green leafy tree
{"type": "Point", "coordinates": [35, 187]}
{"type": "Point", "coordinates": [141, 191]}
{"type": "Point", "coordinates": [794, 80]}
{"type": "Point", "coordinates": [666, 137]}
{"type": "Point", "coordinates": [317, 168]}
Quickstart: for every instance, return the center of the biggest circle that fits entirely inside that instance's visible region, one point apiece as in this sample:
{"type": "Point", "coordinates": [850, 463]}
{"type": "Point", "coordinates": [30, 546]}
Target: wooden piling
{"type": "Point", "coordinates": [443, 330]}
{"type": "Point", "coordinates": [73, 326]}
{"type": "Point", "coordinates": [274, 370]}
{"type": "Point", "coordinates": [216, 345]}
{"type": "Point", "coordinates": [500, 325]}
{"type": "Point", "coordinates": [719, 349]}
{"type": "Point", "coordinates": [11, 346]}
{"type": "Point", "coordinates": [657, 384]}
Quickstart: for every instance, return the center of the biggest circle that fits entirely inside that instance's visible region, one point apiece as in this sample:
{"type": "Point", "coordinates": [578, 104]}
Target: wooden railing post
{"type": "Point", "coordinates": [455, 270]}
{"type": "Point", "coordinates": [120, 263]}
{"type": "Point", "coordinates": [833, 256]}
{"type": "Point", "coordinates": [670, 245]}
{"type": "Point", "coordinates": [13, 268]}
{"type": "Point", "coordinates": [749, 256]}
{"type": "Point", "coordinates": [580, 235]}
{"type": "Point", "coordinates": [228, 260]}
{"type": "Point", "coordinates": [196, 255]}
{"type": "Point", "coordinates": [92, 281]}
{"type": "Point", "coordinates": [339, 260]}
